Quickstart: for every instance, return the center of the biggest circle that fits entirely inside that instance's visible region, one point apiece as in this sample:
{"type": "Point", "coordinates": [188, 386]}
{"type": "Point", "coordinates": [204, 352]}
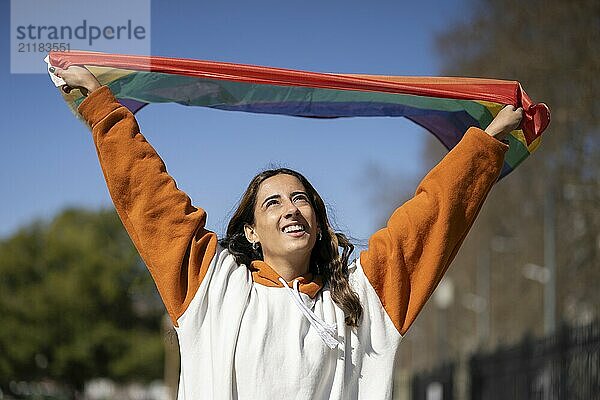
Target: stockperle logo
{"type": "Point", "coordinates": [40, 26]}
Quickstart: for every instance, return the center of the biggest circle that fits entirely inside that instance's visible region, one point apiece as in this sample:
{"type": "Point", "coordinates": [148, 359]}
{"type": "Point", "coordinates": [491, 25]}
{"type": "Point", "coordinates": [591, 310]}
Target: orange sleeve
{"type": "Point", "coordinates": [407, 259]}
{"type": "Point", "coordinates": [166, 229]}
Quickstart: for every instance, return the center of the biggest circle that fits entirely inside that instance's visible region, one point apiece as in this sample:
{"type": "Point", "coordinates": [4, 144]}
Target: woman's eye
{"type": "Point", "coordinates": [300, 198]}
{"type": "Point", "coordinates": [270, 203]}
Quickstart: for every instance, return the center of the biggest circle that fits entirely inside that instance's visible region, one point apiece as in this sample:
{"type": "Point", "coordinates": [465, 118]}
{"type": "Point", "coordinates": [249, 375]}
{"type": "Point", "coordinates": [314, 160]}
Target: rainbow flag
{"type": "Point", "coordinates": [444, 106]}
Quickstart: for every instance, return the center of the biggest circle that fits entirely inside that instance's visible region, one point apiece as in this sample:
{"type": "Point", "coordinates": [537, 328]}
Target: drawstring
{"type": "Point", "coordinates": [326, 331]}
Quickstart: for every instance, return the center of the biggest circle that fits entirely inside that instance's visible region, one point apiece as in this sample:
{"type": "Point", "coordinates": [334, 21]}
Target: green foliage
{"type": "Point", "coordinates": [76, 302]}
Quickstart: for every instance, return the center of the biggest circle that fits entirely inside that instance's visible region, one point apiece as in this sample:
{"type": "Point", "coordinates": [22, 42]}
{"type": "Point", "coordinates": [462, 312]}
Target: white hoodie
{"type": "Point", "coordinates": [242, 332]}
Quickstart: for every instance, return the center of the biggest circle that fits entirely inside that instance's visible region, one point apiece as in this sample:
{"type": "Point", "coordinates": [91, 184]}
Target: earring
{"type": "Point", "coordinates": [255, 246]}
{"type": "Point", "coordinates": [319, 236]}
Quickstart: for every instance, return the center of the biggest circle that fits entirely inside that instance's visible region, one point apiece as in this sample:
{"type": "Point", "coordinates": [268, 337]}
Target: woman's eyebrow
{"type": "Point", "coordinates": [299, 192]}
{"type": "Point", "coordinates": [278, 196]}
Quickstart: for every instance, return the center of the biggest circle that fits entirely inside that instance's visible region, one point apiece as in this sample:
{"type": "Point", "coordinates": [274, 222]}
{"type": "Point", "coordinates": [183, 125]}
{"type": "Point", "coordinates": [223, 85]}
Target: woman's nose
{"type": "Point", "coordinates": [291, 210]}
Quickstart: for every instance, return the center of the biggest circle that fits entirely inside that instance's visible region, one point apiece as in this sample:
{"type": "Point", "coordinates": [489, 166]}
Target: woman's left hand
{"type": "Point", "coordinates": [507, 120]}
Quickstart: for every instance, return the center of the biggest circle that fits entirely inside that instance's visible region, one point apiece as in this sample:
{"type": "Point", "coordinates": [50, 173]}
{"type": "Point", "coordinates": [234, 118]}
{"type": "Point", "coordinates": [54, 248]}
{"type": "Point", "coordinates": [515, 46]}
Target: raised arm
{"type": "Point", "coordinates": [166, 229]}
{"type": "Point", "coordinates": [407, 259]}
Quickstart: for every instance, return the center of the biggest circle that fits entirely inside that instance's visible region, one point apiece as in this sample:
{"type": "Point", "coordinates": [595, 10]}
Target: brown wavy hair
{"type": "Point", "coordinates": [325, 259]}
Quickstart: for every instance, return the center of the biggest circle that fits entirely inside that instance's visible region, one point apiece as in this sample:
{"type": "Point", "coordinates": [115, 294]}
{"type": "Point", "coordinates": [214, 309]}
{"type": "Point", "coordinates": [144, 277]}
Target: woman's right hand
{"type": "Point", "coordinates": [77, 78]}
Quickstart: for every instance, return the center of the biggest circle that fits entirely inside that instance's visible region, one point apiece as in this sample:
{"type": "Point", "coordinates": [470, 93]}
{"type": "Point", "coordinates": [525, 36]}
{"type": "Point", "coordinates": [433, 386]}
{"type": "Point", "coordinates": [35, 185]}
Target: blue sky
{"type": "Point", "coordinates": [48, 162]}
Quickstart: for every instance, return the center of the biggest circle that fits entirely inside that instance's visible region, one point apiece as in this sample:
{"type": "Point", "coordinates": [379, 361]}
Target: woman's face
{"type": "Point", "coordinates": [285, 222]}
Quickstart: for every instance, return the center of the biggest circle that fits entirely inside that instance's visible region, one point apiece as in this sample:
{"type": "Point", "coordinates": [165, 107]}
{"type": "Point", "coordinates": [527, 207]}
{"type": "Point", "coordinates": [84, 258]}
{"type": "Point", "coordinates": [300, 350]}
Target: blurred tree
{"type": "Point", "coordinates": [551, 47]}
{"type": "Point", "coordinates": [76, 302]}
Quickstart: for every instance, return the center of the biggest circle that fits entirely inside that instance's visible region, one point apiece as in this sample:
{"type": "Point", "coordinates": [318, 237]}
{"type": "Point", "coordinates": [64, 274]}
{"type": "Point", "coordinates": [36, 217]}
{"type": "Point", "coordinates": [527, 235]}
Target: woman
{"type": "Point", "coordinates": [274, 310]}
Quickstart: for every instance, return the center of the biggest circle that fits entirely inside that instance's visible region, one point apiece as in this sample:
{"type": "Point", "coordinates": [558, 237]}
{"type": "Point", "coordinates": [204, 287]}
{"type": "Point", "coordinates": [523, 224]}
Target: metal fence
{"type": "Point", "coordinates": [563, 366]}
{"type": "Point", "coordinates": [560, 367]}
{"type": "Point", "coordinates": [437, 384]}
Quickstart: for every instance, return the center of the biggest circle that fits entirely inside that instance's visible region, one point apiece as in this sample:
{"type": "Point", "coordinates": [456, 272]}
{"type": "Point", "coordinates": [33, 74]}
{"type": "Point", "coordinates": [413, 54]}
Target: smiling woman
{"type": "Point", "coordinates": [274, 310]}
{"type": "Point", "coordinates": [283, 221]}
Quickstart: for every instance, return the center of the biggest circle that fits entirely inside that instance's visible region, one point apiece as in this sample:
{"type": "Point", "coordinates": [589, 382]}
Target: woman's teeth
{"type": "Point", "coordinates": [293, 228]}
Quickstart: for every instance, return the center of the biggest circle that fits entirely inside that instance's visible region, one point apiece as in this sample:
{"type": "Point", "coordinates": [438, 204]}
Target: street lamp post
{"type": "Point", "coordinates": [443, 297]}
{"type": "Point", "coordinates": [549, 264]}
{"type": "Point", "coordinates": [546, 274]}
{"type": "Point", "coordinates": [483, 291]}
